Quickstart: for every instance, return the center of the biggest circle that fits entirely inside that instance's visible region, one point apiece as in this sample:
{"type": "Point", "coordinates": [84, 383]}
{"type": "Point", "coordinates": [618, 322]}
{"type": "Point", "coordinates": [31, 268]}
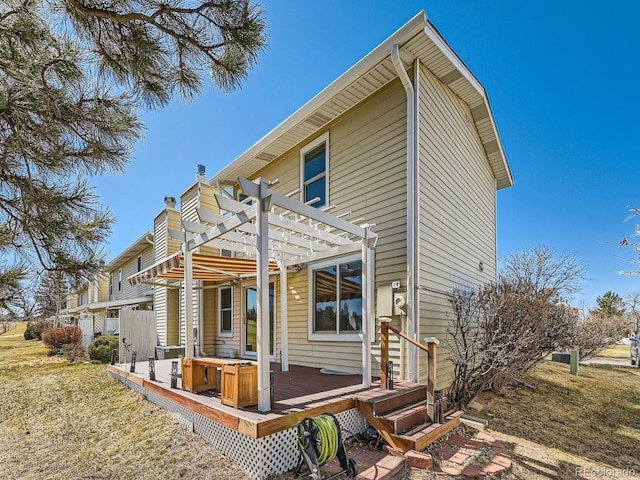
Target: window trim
{"type": "Point", "coordinates": [225, 333]}
{"type": "Point", "coordinates": [139, 264]}
{"type": "Point", "coordinates": [328, 337]}
{"type": "Point", "coordinates": [120, 280]}
{"type": "Point", "coordinates": [303, 151]}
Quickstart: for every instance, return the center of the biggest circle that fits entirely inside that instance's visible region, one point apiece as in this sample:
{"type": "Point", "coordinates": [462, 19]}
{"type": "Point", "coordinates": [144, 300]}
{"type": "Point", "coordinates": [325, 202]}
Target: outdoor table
{"type": "Point", "coordinates": [239, 382]}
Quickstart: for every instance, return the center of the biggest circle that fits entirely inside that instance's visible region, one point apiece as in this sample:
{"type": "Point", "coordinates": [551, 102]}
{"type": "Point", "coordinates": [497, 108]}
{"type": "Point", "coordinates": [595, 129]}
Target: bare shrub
{"type": "Point", "coordinates": [7, 323]}
{"type": "Point", "coordinates": [498, 333]}
{"type": "Point", "coordinates": [36, 327]}
{"type": "Point", "coordinates": [56, 339]}
{"type": "Point", "coordinates": [596, 332]}
{"type": "Point", "coordinates": [74, 352]}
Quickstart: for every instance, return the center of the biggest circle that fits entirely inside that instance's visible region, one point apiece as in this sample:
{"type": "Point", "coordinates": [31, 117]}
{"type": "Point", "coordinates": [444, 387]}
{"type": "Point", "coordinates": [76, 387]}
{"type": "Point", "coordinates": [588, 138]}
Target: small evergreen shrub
{"type": "Point", "coordinates": [57, 338]}
{"type": "Point", "coordinates": [27, 334]}
{"type": "Point", "coordinates": [100, 348]}
{"type": "Point", "coordinates": [36, 327]}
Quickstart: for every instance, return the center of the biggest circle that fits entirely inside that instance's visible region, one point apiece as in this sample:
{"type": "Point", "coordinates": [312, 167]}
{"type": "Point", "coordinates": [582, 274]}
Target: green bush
{"type": "Point", "coordinates": [36, 327]}
{"type": "Point", "coordinates": [27, 334]}
{"type": "Point", "coordinates": [100, 348]}
{"type": "Point", "coordinates": [58, 338]}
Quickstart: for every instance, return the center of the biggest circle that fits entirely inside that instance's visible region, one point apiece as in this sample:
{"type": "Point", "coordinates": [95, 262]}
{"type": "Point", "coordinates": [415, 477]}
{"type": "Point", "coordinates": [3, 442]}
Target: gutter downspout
{"type": "Point", "coordinates": [412, 310]}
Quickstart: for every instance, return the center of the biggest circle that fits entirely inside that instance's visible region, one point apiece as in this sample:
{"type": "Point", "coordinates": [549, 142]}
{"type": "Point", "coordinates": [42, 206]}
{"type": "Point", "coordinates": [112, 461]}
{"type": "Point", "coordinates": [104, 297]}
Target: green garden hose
{"type": "Point", "coordinates": [327, 438]}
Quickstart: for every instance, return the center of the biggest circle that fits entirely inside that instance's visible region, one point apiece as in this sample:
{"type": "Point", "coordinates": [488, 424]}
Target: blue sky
{"type": "Point", "coordinates": [563, 78]}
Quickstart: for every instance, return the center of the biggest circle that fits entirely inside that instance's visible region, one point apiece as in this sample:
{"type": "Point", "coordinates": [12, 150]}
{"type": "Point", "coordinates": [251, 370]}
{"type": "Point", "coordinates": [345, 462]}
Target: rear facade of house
{"type": "Point", "coordinates": [409, 146]}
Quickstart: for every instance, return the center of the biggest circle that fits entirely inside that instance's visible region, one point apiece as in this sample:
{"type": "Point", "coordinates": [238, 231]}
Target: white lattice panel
{"type": "Point", "coordinates": [279, 452]}
{"type": "Point", "coordinates": [180, 413]}
{"type": "Point", "coordinates": [260, 457]}
{"type": "Point", "coordinates": [237, 446]}
{"type": "Point", "coordinates": [351, 422]}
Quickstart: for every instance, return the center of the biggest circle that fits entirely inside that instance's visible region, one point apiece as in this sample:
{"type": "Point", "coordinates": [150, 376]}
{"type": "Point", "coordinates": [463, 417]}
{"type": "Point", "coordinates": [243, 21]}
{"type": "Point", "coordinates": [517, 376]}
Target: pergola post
{"type": "Point", "coordinates": [262, 266]}
{"type": "Point", "coordinates": [284, 319]}
{"type": "Point", "coordinates": [188, 299]}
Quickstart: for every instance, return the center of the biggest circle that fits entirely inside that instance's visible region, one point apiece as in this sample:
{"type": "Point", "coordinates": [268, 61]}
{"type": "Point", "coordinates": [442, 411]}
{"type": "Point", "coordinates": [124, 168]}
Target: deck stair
{"type": "Point", "coordinates": [400, 416]}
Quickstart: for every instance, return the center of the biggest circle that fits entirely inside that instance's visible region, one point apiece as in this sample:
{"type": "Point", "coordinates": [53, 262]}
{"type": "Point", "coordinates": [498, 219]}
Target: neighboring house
{"type": "Point", "coordinates": [97, 304]}
{"type": "Point", "coordinates": [405, 142]}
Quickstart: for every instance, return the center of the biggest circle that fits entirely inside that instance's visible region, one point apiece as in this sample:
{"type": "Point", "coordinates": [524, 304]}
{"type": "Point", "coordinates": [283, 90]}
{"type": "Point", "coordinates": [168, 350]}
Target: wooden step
{"type": "Point", "coordinates": [425, 434]}
{"type": "Point", "coordinates": [405, 418]}
{"type": "Point", "coordinates": [398, 399]}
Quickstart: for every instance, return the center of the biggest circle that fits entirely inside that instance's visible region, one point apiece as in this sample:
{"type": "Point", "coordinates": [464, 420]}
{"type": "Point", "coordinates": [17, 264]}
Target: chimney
{"type": "Point", "coordinates": [170, 202]}
{"type": "Point", "coordinates": [201, 175]}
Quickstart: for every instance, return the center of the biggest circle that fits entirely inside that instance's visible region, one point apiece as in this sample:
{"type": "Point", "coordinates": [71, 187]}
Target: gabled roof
{"type": "Point", "coordinates": [419, 39]}
{"type": "Point", "coordinates": [131, 251]}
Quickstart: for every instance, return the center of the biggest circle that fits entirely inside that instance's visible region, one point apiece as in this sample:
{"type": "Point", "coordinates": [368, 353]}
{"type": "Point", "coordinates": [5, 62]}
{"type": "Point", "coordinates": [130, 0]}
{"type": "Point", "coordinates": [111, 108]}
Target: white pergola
{"type": "Point", "coordinates": [289, 232]}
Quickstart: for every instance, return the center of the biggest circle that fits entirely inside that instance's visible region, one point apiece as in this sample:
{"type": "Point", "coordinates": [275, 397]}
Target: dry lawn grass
{"type": "Point", "coordinates": [72, 421]}
{"type": "Point", "coordinates": [565, 423]}
{"type": "Point", "coordinates": [621, 352]}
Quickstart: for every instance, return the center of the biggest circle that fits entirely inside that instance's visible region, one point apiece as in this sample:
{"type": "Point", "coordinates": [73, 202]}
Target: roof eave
{"type": "Point", "coordinates": [140, 244]}
{"type": "Point", "coordinates": [407, 31]}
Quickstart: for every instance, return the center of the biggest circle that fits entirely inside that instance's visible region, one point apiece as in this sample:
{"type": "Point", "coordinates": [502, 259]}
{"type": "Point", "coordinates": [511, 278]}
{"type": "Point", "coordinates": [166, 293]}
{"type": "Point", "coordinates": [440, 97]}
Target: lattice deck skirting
{"type": "Point", "coordinates": [260, 457]}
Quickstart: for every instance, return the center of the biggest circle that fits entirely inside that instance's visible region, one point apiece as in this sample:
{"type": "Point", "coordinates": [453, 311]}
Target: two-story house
{"type": "Point", "coordinates": [403, 144]}
{"type": "Point", "coordinates": [97, 304]}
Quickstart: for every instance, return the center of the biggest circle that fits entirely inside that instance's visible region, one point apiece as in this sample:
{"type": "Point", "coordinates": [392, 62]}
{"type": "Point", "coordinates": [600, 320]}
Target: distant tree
{"type": "Point", "coordinates": [632, 315]}
{"type": "Point", "coordinates": [610, 305]}
{"type": "Point", "coordinates": [7, 323]}
{"type": "Point", "coordinates": [73, 74]}
{"type": "Point", "coordinates": [593, 334]}
{"type": "Point", "coordinates": [545, 273]}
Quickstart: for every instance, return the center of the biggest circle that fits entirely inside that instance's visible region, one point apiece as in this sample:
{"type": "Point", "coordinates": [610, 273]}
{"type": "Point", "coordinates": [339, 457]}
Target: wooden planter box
{"type": "Point", "coordinates": [239, 385]}
{"type": "Point", "coordinates": [197, 377]}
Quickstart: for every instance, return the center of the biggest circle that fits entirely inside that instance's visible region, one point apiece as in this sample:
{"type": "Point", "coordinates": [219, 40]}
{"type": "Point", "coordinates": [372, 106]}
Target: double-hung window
{"type": "Point", "coordinates": [336, 303]}
{"type": "Point", "coordinates": [139, 263]}
{"type": "Point", "coordinates": [225, 302]}
{"type": "Point", "coordinates": [120, 280]}
{"type": "Point", "coordinates": [314, 159]}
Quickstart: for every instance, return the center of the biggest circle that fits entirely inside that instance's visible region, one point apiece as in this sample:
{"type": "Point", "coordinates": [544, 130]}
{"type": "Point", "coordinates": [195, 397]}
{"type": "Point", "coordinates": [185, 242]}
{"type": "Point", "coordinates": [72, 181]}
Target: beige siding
{"type": "Point", "coordinates": [189, 202]}
{"type": "Point", "coordinates": [367, 176]}
{"type": "Point", "coordinates": [207, 201]}
{"type": "Point", "coordinates": [165, 301]}
{"type": "Point", "coordinates": [125, 290]}
{"type": "Point", "coordinates": [457, 208]}
{"type": "Point", "coordinates": [210, 323]}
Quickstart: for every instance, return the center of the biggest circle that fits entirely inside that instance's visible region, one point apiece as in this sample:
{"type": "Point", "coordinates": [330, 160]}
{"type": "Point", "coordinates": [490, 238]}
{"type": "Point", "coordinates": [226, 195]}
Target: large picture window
{"type": "Point", "coordinates": [226, 311]}
{"type": "Point", "coordinates": [315, 165]}
{"type": "Point", "coordinates": [337, 300]}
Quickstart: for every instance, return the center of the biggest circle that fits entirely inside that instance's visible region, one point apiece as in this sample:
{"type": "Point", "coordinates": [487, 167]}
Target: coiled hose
{"type": "Point", "coordinates": [327, 438]}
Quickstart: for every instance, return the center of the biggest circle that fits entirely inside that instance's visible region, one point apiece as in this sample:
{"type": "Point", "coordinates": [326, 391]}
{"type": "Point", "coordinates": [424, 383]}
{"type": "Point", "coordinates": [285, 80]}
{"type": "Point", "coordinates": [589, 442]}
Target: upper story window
{"type": "Point", "coordinates": [314, 159]}
{"type": "Point", "coordinates": [140, 263]}
{"type": "Point", "coordinates": [120, 280]}
{"type": "Point", "coordinates": [225, 302]}
{"type": "Point", "coordinates": [336, 306]}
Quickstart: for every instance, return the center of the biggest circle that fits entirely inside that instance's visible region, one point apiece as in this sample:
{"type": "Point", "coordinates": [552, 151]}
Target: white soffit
{"type": "Point", "coordinates": [419, 39]}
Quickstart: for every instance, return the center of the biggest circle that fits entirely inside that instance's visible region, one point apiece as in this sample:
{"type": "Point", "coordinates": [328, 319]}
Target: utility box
{"type": "Point", "coordinates": [390, 301]}
{"type": "Point", "coordinates": [384, 301]}
{"type": "Point", "coordinates": [172, 351]}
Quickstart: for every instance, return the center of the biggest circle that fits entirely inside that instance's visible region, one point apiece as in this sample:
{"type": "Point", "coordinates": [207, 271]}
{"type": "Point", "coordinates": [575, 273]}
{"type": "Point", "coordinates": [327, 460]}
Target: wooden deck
{"type": "Point", "coordinates": [299, 393]}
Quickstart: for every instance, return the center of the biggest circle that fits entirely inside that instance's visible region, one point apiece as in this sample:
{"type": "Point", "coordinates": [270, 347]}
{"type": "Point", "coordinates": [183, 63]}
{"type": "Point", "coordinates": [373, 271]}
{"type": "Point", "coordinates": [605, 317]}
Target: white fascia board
{"type": "Point", "coordinates": [126, 255]}
{"type": "Point", "coordinates": [409, 30]}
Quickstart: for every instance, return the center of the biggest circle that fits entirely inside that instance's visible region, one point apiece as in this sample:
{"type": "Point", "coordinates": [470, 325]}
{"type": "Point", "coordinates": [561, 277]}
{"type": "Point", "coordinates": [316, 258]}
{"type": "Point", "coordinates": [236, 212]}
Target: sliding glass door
{"type": "Point", "coordinates": [251, 324]}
